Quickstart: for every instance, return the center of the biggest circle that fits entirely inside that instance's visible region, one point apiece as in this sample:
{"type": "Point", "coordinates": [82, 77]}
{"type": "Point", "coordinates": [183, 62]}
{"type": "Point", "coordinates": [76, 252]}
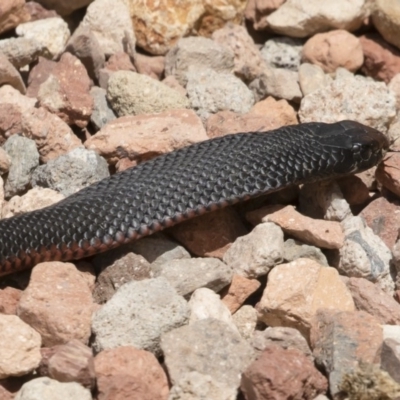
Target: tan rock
{"type": "Point", "coordinates": [38, 74]}
{"type": "Point", "coordinates": [66, 91]}
{"type": "Point", "coordinates": [144, 136]}
{"type": "Point", "coordinates": [37, 11]}
{"type": "Point", "coordinates": [388, 172]}
{"type": "Point", "coordinates": [10, 121]}
{"type": "Point", "coordinates": [238, 291]}
{"type": "Point", "coordinates": [9, 298]}
{"type": "Point", "coordinates": [128, 372]}
{"type": "Point", "coordinates": [10, 95]}
{"type": "Point", "coordinates": [381, 60]}
{"type": "Point", "coordinates": [53, 137]}
{"type": "Point", "coordinates": [373, 300]}
{"type": "Point", "coordinates": [285, 302]}
{"type": "Point", "coordinates": [173, 83]}
{"type": "Point", "coordinates": [386, 19]}
{"type": "Point", "coordinates": [12, 14]}
{"type": "Point", "coordinates": [394, 86]}
{"type": "Point", "coordinates": [120, 61]}
{"type": "Point", "coordinates": [19, 347]}
{"type": "Point", "coordinates": [210, 235]}
{"type": "Point", "coordinates": [34, 199]}
{"type": "Point", "coordinates": [150, 66]}
{"type": "Point", "coordinates": [57, 303]}
{"type": "Point", "coordinates": [257, 10]}
{"type": "Point", "coordinates": [320, 233]}
{"type": "Point", "coordinates": [64, 7]}
{"type": "Point", "coordinates": [10, 75]}
{"type": "Point", "coordinates": [158, 26]}
{"type": "Point", "coordinates": [334, 49]}
{"type": "Point", "coordinates": [276, 374]}
{"type": "Point", "coordinates": [383, 217]}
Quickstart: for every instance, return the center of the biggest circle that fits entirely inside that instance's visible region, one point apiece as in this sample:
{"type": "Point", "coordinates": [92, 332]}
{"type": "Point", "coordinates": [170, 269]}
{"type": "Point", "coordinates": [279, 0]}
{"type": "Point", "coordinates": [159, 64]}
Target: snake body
{"type": "Point", "coordinates": [185, 183]}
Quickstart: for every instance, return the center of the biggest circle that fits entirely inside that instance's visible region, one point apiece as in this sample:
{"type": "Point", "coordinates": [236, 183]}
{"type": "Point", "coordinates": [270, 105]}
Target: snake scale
{"type": "Point", "coordinates": [185, 183]}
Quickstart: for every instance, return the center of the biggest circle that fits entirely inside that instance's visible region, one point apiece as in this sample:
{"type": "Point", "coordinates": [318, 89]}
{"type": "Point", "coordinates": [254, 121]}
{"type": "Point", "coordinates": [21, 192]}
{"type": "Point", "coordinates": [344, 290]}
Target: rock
{"type": "Point", "coordinates": [23, 356]}
{"type": "Point", "coordinates": [9, 298]}
{"type": "Point", "coordinates": [238, 291]}
{"type": "Point", "coordinates": [255, 254]}
{"type": "Point", "coordinates": [287, 338]}
{"type": "Point", "coordinates": [204, 303]}
{"type": "Point", "coordinates": [130, 93]}
{"type": "Point", "coordinates": [10, 121]}
{"type": "Point", "coordinates": [354, 189]}
{"type": "Point", "coordinates": [118, 268]}
{"type": "Point", "coordinates": [277, 111]}
{"type": "Point", "coordinates": [53, 137]}
{"type": "Point", "coordinates": [276, 374]}
{"type": "Point", "coordinates": [13, 13]}
{"type": "Point", "coordinates": [158, 26]}
{"type": "Point", "coordinates": [198, 53]}
{"type": "Point", "coordinates": [83, 44]}
{"type": "Point", "coordinates": [9, 75]}
{"type": "Point", "coordinates": [342, 340]}
{"type": "Point", "coordinates": [294, 249]}
{"type": "Point", "coordinates": [312, 78]}
{"type": "Point", "coordinates": [5, 161]}
{"type": "Point", "coordinates": [245, 320]}
{"type": "Point", "coordinates": [277, 82]}
{"type": "Point", "coordinates": [364, 255]}
{"type": "Point", "coordinates": [9, 95]}
{"type": "Point", "coordinates": [130, 372]}
{"type": "Point", "coordinates": [373, 300]}
{"type": "Point", "coordinates": [390, 358]}
{"type": "Point", "coordinates": [138, 314]}
{"type": "Point", "coordinates": [334, 49]}
{"type": "Point", "coordinates": [66, 91]}
{"type": "Point", "coordinates": [72, 362]}
{"type": "Point", "coordinates": [382, 216]}
{"type": "Point", "coordinates": [348, 98]}
{"type": "Point", "coordinates": [22, 51]}
{"type": "Point", "coordinates": [37, 11]}
{"type": "Point", "coordinates": [387, 173]}
{"type": "Point", "coordinates": [120, 61]}
{"type": "Point", "coordinates": [57, 303]}
{"type": "Point", "coordinates": [256, 11]}
{"type": "Point", "coordinates": [248, 63]}
{"type": "Point", "coordinates": [34, 199]}
{"type": "Point", "coordinates": [150, 65]}
{"type": "Point", "coordinates": [210, 92]}
{"type": "Point", "coordinates": [52, 33]}
{"type": "Point", "coordinates": [394, 86]}
{"type": "Point", "coordinates": [173, 83]}
{"type": "Point", "coordinates": [196, 386]}
{"type": "Point", "coordinates": [50, 389]}
{"type": "Point", "coordinates": [72, 171]}
{"type": "Point", "coordinates": [209, 347]}
{"type": "Point", "coordinates": [187, 275]}
{"type": "Point", "coordinates": [110, 23]}
{"type": "Point", "coordinates": [386, 17]}
{"type": "Point", "coordinates": [24, 159]}
{"type": "Point", "coordinates": [381, 60]}
{"type": "Point", "coordinates": [38, 74]}
{"type": "Point", "coordinates": [282, 52]}
{"type": "Point", "coordinates": [211, 234]}
{"type": "Point", "coordinates": [302, 18]}
{"type": "Point", "coordinates": [102, 113]}
{"type": "Point", "coordinates": [285, 303]}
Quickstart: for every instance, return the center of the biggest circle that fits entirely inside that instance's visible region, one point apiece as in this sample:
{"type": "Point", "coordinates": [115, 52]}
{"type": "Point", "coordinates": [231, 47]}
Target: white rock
{"type": "Point", "coordinates": [282, 52]}
{"type": "Point", "coordinates": [245, 320]}
{"type": "Point", "coordinates": [312, 77]}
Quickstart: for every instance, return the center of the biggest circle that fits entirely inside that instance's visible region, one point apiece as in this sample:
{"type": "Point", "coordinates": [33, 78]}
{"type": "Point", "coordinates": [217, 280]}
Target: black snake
{"type": "Point", "coordinates": [183, 184]}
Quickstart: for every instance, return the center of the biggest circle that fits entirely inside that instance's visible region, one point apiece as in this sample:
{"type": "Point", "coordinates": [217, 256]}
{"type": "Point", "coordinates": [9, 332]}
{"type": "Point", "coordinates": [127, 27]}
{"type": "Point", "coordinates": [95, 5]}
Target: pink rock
{"type": "Point", "coordinates": [126, 372]}
{"type": "Point", "coordinates": [388, 172]}
{"type": "Point", "coordinates": [257, 10]}
{"type": "Point", "coordinates": [37, 11]}
{"type": "Point", "coordinates": [144, 136]}
{"type": "Point", "coordinates": [320, 233]}
{"type": "Point", "coordinates": [354, 190]}
{"type": "Point", "coordinates": [281, 374]}
{"type": "Point", "coordinates": [9, 298]}
{"type": "Point", "coordinates": [65, 92]}
{"type": "Point", "coordinates": [10, 121]}
{"type": "Point", "coordinates": [10, 75]}
{"type": "Point", "coordinates": [210, 235]}
{"type": "Point", "coordinates": [394, 86]}
{"type": "Point", "coordinates": [381, 60]}
{"type": "Point", "coordinates": [334, 49]}
{"type": "Point", "coordinates": [38, 74]}
{"type": "Point", "coordinates": [383, 217]}
{"type": "Point", "coordinates": [57, 303]}
{"type": "Point", "coordinates": [120, 61]}
{"type": "Point", "coordinates": [238, 291]}
{"type": "Point", "coordinates": [151, 66]}
{"type": "Point", "coordinates": [12, 14]}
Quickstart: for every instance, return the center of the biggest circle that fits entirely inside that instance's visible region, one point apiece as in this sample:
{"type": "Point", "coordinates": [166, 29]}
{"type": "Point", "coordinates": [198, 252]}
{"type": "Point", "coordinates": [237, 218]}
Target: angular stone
{"type": "Point", "coordinates": [282, 52]}
{"type": "Point", "coordinates": [9, 298]}
{"type": "Point", "coordinates": [9, 75]}
{"type": "Point", "coordinates": [153, 66]}
{"type": "Point", "coordinates": [294, 249]}
{"type": "Point", "coordinates": [245, 320]}
{"type": "Point", "coordinates": [102, 113]}
{"type": "Point", "coordinates": [390, 358]}
{"type": "Point", "coordinates": [256, 11]}
{"type": "Point", "coordinates": [388, 174]}
{"type": "Point", "coordinates": [12, 14]}
{"type": "Point", "coordinates": [38, 74]}
{"type": "Point", "coordinates": [312, 78]}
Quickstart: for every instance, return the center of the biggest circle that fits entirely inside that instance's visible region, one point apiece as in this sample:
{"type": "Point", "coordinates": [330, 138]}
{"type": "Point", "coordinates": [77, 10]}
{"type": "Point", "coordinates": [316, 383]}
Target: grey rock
{"type": "Point", "coordinates": [390, 358]}
{"type": "Point", "coordinates": [49, 389]}
{"type": "Point", "coordinates": [279, 83]}
{"type": "Point", "coordinates": [209, 347]}
{"type": "Point", "coordinates": [198, 52]}
{"type": "Point", "coordinates": [245, 320]}
{"type": "Point", "coordinates": [102, 113]}
{"type": "Point", "coordinates": [24, 159]}
{"type": "Point", "coordinates": [138, 314]}
{"type": "Point", "coordinates": [283, 52]}
{"type": "Point", "coordinates": [294, 249]}
{"type": "Point", "coordinates": [312, 77]}
{"type": "Point", "coordinates": [158, 249]}
{"type": "Point", "coordinates": [254, 255]}
{"type": "Point", "coordinates": [72, 171]}
{"type": "Point", "coordinates": [210, 91]}
{"type": "Point", "coordinates": [187, 275]}
{"type": "Point", "coordinates": [22, 51]}
{"type": "Point", "coordinates": [130, 93]}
